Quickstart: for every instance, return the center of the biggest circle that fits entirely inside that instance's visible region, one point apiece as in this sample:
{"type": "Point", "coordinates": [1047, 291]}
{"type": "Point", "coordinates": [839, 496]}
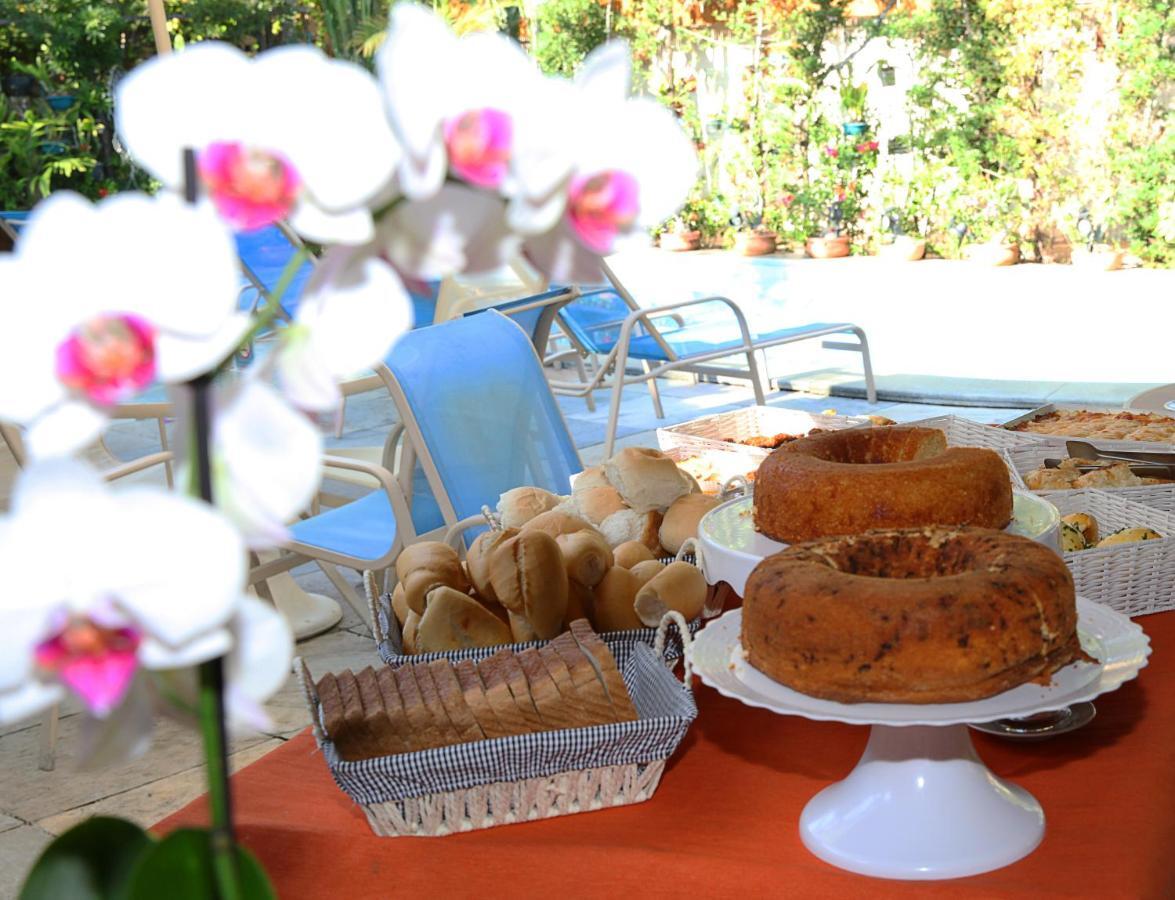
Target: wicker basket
{"type": "Point", "coordinates": [1027, 458]}
{"type": "Point", "coordinates": [724, 430]}
{"type": "Point", "coordinates": [966, 433]}
{"type": "Point", "coordinates": [1101, 442]}
{"type": "Point", "coordinates": [508, 780]}
{"type": "Point", "coordinates": [713, 466]}
{"type": "Point", "coordinates": [1135, 579]}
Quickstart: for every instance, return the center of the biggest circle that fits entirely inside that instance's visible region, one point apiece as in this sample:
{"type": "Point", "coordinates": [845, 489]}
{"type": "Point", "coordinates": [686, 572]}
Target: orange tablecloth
{"type": "Point", "coordinates": [724, 821]}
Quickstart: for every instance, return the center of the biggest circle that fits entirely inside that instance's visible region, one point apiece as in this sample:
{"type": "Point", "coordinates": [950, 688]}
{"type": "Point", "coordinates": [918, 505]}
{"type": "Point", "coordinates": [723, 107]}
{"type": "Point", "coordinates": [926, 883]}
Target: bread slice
{"type": "Point", "coordinates": [520, 688]}
{"type": "Point", "coordinates": [499, 695]}
{"type": "Point", "coordinates": [554, 712]}
{"type": "Point", "coordinates": [453, 700]}
{"type": "Point", "coordinates": [379, 725]}
{"type": "Point", "coordinates": [596, 705]}
{"type": "Point", "coordinates": [356, 740]}
{"type": "Point", "coordinates": [562, 676]}
{"type": "Point", "coordinates": [423, 733]}
{"type": "Point", "coordinates": [394, 706]}
{"type": "Point", "coordinates": [331, 701]}
{"type": "Point", "coordinates": [601, 657]}
{"type": "Point", "coordinates": [475, 698]}
{"type": "Point", "coordinates": [432, 702]}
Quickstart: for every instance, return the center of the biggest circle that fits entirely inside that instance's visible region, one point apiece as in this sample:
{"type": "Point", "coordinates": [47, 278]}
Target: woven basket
{"type": "Point", "coordinates": [966, 433]}
{"type": "Point", "coordinates": [713, 466]}
{"type": "Point", "coordinates": [504, 781]}
{"type": "Point", "coordinates": [724, 430]}
{"type": "Point", "coordinates": [1027, 458]}
{"type": "Point", "coordinates": [1135, 579]}
{"type": "Point", "coordinates": [1102, 443]}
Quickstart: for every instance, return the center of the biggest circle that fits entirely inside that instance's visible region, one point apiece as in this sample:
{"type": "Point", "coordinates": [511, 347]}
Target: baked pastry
{"type": "Point", "coordinates": [647, 479]}
{"type": "Point", "coordinates": [519, 505]}
{"type": "Point", "coordinates": [682, 518]}
{"type": "Point", "coordinates": [1117, 426]}
{"type": "Point", "coordinates": [846, 482]}
{"type": "Point", "coordinates": [929, 615]}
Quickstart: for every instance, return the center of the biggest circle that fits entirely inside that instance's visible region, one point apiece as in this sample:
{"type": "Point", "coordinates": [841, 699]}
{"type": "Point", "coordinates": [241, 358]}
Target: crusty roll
{"type": "Point", "coordinates": [596, 504]}
{"type": "Point", "coordinates": [519, 505]}
{"type": "Point", "coordinates": [586, 556]}
{"type": "Point", "coordinates": [629, 525]}
{"type": "Point", "coordinates": [408, 632]}
{"type": "Point", "coordinates": [529, 578]}
{"type": "Point", "coordinates": [682, 518]}
{"type": "Point", "coordinates": [644, 570]}
{"type": "Point", "coordinates": [591, 477]}
{"type": "Point", "coordinates": [630, 553]}
{"type": "Point", "coordinates": [422, 566]}
{"type": "Point", "coordinates": [521, 629]}
{"type": "Point", "coordinates": [613, 601]}
{"type": "Point", "coordinates": [580, 603]}
{"type": "Point", "coordinates": [455, 621]}
{"type": "Point", "coordinates": [679, 586]}
{"type": "Point", "coordinates": [555, 523]}
{"type": "Point", "coordinates": [477, 560]}
{"type": "Point", "coordinates": [1085, 524]}
{"type": "Point", "coordinates": [400, 604]}
{"type": "Point", "coordinates": [647, 479]}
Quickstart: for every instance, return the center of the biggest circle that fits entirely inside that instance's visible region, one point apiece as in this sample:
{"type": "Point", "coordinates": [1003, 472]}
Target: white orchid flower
{"type": "Point", "coordinates": [619, 187]}
{"type": "Point", "coordinates": [288, 134]}
{"type": "Point", "coordinates": [266, 462]}
{"type": "Point", "coordinates": [107, 299]}
{"type": "Point", "coordinates": [354, 309]}
{"type": "Point", "coordinates": [95, 585]}
{"type": "Point", "coordinates": [470, 107]}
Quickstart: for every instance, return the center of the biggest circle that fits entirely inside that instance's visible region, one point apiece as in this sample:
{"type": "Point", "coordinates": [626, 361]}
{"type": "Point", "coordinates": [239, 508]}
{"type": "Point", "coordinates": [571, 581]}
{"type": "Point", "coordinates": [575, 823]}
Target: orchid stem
{"type": "Point", "coordinates": [273, 303]}
{"type": "Point", "coordinates": [211, 697]}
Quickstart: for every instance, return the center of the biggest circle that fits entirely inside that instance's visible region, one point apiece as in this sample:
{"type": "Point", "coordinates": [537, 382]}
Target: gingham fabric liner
{"type": "Point", "coordinates": [664, 706]}
{"type": "Point", "coordinates": [391, 650]}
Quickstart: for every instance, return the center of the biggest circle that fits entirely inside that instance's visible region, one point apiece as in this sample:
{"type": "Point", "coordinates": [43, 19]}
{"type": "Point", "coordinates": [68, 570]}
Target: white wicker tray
{"type": "Point", "coordinates": [966, 433]}
{"type": "Point", "coordinates": [725, 430]}
{"type": "Point", "coordinates": [1135, 579]}
{"type": "Point", "coordinates": [504, 781]}
{"type": "Point", "coordinates": [1032, 456]}
{"type": "Point", "coordinates": [1104, 443]}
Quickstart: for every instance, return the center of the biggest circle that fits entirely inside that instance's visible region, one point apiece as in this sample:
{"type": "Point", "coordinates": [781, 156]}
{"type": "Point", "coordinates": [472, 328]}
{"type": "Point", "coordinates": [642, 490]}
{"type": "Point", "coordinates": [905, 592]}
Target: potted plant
{"type": "Point", "coordinates": [993, 228]}
{"type": "Point", "coordinates": [897, 243]}
{"type": "Point", "coordinates": [19, 84]}
{"type": "Point", "coordinates": [756, 241]}
{"type": "Point", "coordinates": [852, 104]}
{"type": "Point", "coordinates": [680, 237]}
{"type": "Point", "coordinates": [831, 244]}
{"type": "Point", "coordinates": [1092, 249]}
{"type": "Point", "coordinates": [885, 74]}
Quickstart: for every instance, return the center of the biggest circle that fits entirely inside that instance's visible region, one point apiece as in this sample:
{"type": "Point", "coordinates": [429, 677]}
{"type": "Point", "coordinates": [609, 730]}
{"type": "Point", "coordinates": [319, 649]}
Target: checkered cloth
{"type": "Point", "coordinates": [664, 706]}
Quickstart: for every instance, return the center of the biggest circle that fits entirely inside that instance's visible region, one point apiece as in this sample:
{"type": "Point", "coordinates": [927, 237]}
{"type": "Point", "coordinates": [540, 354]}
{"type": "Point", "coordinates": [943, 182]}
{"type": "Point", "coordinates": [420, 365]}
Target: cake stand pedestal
{"type": "Point", "coordinates": [920, 804]}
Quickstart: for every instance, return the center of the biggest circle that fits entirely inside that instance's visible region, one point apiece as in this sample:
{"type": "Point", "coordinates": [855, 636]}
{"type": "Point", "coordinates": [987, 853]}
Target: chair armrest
{"type": "Point", "coordinates": [453, 535]}
{"type": "Point", "coordinates": [138, 465]}
{"type": "Point", "coordinates": [391, 487]}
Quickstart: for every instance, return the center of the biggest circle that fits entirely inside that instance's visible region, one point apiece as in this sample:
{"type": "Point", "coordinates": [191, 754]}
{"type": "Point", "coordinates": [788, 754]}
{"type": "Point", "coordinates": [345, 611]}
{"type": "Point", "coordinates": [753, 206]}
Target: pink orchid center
{"type": "Point", "coordinates": [478, 143]}
{"type": "Point", "coordinates": [602, 206]}
{"type": "Point", "coordinates": [249, 187]}
{"type": "Point", "coordinates": [95, 662]}
{"type": "Point", "coordinates": [108, 359]}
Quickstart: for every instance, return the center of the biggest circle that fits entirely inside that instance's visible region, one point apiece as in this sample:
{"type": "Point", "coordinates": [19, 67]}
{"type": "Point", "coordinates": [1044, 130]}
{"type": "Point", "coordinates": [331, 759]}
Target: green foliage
{"type": "Point", "coordinates": [566, 32]}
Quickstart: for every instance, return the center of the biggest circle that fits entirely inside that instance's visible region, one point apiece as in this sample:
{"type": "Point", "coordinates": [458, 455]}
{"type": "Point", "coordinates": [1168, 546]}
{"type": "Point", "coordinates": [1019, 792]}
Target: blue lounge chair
{"type": "Point", "coordinates": [469, 432]}
{"type": "Point", "coordinates": [610, 324]}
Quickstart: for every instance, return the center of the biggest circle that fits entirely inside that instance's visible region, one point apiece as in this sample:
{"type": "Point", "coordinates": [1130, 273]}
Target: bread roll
{"type": "Point", "coordinates": [591, 477]}
{"type": "Point", "coordinates": [647, 479]}
{"type": "Point", "coordinates": [1129, 536]}
{"type": "Point", "coordinates": [613, 601]}
{"type": "Point", "coordinates": [408, 632]}
{"type": "Point", "coordinates": [529, 578]}
{"type": "Point", "coordinates": [679, 586]}
{"type": "Point", "coordinates": [596, 504]}
{"type": "Point", "coordinates": [521, 629]}
{"type": "Point", "coordinates": [400, 604]}
{"type": "Point", "coordinates": [629, 525]}
{"type": "Point", "coordinates": [422, 566]}
{"type": "Point", "coordinates": [556, 523]}
{"type": "Point", "coordinates": [478, 560]}
{"type": "Point", "coordinates": [455, 621]}
{"type": "Point", "coordinates": [580, 603]}
{"type": "Point", "coordinates": [519, 505]}
{"type": "Point", "coordinates": [644, 571]}
{"type": "Point", "coordinates": [586, 555]}
{"type": "Point", "coordinates": [630, 553]}
{"type": "Point", "coordinates": [1085, 523]}
{"type": "Point", "coordinates": [682, 518]}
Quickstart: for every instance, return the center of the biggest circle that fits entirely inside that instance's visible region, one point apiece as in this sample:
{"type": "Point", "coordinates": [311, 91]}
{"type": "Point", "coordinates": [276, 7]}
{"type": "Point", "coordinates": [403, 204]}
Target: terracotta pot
{"type": "Point", "coordinates": [680, 241]}
{"type": "Point", "coordinates": [903, 248]}
{"type": "Point", "coordinates": [755, 243]}
{"type": "Point", "coordinates": [1104, 259]}
{"type": "Point", "coordinates": [832, 247]}
{"type": "Point", "coordinates": [993, 254]}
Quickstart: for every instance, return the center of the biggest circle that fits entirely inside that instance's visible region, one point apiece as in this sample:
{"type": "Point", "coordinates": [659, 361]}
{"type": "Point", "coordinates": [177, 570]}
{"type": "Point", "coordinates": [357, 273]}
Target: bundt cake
{"type": "Point", "coordinates": [846, 482]}
{"type": "Point", "coordinates": [931, 615]}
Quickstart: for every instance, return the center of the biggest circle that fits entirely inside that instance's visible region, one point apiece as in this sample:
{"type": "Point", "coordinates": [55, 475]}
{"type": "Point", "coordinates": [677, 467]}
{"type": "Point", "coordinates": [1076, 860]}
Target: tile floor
{"type": "Point", "coordinates": [36, 805]}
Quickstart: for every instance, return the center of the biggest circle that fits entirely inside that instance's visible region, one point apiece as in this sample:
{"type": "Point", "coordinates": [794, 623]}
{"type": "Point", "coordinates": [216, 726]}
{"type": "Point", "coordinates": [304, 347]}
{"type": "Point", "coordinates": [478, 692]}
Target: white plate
{"type": "Point", "coordinates": [1120, 646]}
{"type": "Point", "coordinates": [731, 547]}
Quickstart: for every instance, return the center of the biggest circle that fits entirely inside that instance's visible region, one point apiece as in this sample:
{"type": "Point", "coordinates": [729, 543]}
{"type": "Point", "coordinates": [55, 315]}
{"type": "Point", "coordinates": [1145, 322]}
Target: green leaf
{"type": "Point", "coordinates": [92, 861]}
{"type": "Point", "coordinates": [182, 867]}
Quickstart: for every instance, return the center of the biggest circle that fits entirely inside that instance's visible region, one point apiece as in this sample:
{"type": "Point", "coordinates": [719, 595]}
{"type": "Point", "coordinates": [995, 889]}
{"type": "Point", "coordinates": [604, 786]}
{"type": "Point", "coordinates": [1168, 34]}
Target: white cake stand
{"type": "Point", "coordinates": [730, 547]}
{"type": "Point", "coordinates": [920, 804]}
